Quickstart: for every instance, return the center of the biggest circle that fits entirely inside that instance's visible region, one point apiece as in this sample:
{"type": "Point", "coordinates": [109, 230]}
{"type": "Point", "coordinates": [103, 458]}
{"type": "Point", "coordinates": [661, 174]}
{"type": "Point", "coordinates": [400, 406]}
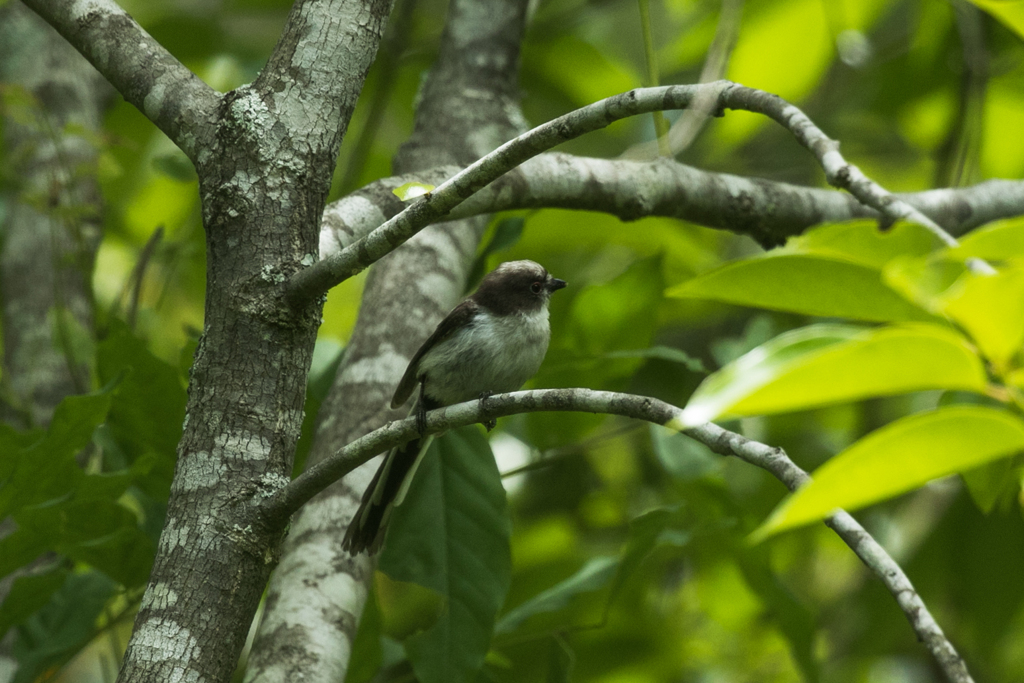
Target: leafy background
{"type": "Point", "coordinates": [631, 552]}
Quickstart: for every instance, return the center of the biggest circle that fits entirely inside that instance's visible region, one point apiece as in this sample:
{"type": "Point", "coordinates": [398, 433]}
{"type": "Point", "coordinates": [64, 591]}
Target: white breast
{"type": "Point", "coordinates": [495, 354]}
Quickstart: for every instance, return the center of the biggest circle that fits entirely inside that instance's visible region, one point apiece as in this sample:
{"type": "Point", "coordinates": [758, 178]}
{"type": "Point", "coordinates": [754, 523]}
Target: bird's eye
{"type": "Point", "coordinates": [536, 287]}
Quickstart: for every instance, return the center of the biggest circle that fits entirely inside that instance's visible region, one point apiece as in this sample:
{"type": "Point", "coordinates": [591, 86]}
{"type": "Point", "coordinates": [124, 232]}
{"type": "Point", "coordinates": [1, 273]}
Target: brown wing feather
{"type": "Point", "coordinates": [459, 316]}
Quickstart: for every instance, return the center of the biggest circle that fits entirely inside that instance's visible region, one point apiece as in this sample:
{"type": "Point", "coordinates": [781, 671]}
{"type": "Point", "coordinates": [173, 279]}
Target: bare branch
{"type": "Point", "coordinates": [765, 210]}
{"type": "Point", "coordinates": [278, 508]}
{"type": "Point", "coordinates": [317, 279]}
{"type": "Point", "coordinates": [145, 73]}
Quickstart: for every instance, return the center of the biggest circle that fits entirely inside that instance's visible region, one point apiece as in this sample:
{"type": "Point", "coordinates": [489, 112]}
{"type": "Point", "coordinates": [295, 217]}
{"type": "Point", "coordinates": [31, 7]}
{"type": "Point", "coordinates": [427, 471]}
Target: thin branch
{"type": "Point", "coordinates": [277, 508]}
{"type": "Point", "coordinates": [145, 73]}
{"type": "Point", "coordinates": [320, 277]}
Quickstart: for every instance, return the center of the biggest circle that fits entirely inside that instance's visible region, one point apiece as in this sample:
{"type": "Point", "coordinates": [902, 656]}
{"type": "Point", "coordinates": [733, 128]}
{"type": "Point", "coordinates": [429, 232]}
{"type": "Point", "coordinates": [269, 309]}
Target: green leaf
{"type": "Point", "coordinates": [806, 284]}
{"type": "Point", "coordinates": [899, 457]}
{"type": "Point", "coordinates": [991, 309]}
{"type": "Point", "coordinates": [828, 363]}
{"type": "Point", "coordinates": [862, 242]}
{"type": "Point", "coordinates": [176, 165]}
{"type": "Point", "coordinates": [662, 353]}
{"type": "Point", "coordinates": [148, 408]}
{"type": "Point", "coordinates": [994, 242]}
{"type": "Point", "coordinates": [54, 634]}
{"type": "Point", "coordinates": [451, 534]}
{"type": "Point", "coordinates": [28, 594]}
{"type": "Point", "coordinates": [47, 469]}
{"type": "Point", "coordinates": [506, 233]}
{"type": "Point", "coordinates": [594, 575]}
{"type": "Point", "coordinates": [410, 191]}
{"type": "Point", "coordinates": [1010, 12]}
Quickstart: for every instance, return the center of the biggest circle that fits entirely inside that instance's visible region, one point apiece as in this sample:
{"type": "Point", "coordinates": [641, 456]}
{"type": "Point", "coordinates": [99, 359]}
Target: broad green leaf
{"type": "Point", "coordinates": [830, 363]}
{"type": "Point", "coordinates": [27, 595]}
{"type": "Point", "coordinates": [1010, 12]}
{"type": "Point", "coordinates": [148, 407]}
{"type": "Point", "coordinates": [410, 191]}
{"type": "Point", "coordinates": [806, 284]}
{"type": "Point", "coordinates": [47, 469]}
{"type": "Point", "coordinates": [593, 576]}
{"type": "Point", "coordinates": [991, 309]}
{"type": "Point", "coordinates": [54, 634]}
{"type": "Point", "coordinates": [899, 457]}
{"type": "Point", "coordinates": [451, 534]}
{"type": "Point", "coordinates": [862, 242]}
{"type": "Point", "coordinates": [995, 242]}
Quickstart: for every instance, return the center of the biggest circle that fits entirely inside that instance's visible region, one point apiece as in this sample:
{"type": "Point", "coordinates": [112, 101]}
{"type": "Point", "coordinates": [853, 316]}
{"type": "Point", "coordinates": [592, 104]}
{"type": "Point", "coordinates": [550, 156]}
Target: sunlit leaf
{"type": "Point", "coordinates": [862, 242]}
{"type": "Point", "coordinates": [898, 458]}
{"type": "Point", "coordinates": [830, 363]}
{"type": "Point", "coordinates": [1010, 12]}
{"type": "Point", "coordinates": [451, 534]}
{"type": "Point", "coordinates": [409, 191]}
{"type": "Point", "coordinates": [807, 284]}
{"type": "Point", "coordinates": [994, 242]}
{"type": "Point", "coordinates": [991, 309]}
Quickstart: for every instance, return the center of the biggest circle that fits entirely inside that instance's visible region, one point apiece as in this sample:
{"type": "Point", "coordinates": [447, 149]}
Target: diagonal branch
{"type": "Point", "coordinates": [277, 509]}
{"type": "Point", "coordinates": [314, 281]}
{"type": "Point", "coordinates": [145, 73]}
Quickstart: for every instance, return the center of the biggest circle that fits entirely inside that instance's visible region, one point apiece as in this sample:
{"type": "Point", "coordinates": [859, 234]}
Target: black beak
{"type": "Point", "coordinates": [554, 284]}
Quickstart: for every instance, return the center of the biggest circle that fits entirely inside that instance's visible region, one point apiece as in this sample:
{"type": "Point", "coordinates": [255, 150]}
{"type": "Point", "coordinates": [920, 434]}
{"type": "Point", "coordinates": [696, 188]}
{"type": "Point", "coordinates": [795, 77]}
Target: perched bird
{"type": "Point", "coordinates": [491, 343]}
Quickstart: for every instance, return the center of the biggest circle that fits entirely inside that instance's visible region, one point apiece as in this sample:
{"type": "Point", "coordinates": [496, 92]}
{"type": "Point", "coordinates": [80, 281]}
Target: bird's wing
{"type": "Point", "coordinates": [458, 318]}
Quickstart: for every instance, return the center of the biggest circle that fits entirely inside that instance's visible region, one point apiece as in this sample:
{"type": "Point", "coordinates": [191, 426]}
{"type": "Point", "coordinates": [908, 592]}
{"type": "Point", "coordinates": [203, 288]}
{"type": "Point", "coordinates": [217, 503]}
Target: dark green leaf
{"type": "Point", "coordinates": [451, 534]}
{"type": "Point", "coordinates": [28, 594]}
{"type": "Point", "coordinates": [58, 631]}
{"type": "Point", "coordinates": [593, 576]}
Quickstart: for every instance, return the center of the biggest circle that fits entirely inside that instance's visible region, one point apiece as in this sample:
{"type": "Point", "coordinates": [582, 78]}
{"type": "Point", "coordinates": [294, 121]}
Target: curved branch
{"type": "Point", "coordinates": [277, 509]}
{"type": "Point", "coordinates": [766, 210]}
{"type": "Point", "coordinates": [145, 73]}
{"type": "Point", "coordinates": [320, 277]}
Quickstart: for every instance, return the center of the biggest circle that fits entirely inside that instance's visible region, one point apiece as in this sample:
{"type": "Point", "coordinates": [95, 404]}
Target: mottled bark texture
{"type": "Point", "coordinates": [264, 154]}
{"type": "Point", "coordinates": [468, 107]}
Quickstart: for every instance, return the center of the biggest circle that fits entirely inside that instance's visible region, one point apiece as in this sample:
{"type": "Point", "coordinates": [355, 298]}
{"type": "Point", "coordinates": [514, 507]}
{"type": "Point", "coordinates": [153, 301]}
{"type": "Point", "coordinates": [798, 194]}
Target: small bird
{"type": "Point", "coordinates": [491, 343]}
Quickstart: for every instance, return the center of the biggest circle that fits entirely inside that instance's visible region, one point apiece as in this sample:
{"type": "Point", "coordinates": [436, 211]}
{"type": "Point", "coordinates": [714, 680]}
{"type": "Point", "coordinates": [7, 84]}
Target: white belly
{"type": "Point", "coordinates": [497, 354]}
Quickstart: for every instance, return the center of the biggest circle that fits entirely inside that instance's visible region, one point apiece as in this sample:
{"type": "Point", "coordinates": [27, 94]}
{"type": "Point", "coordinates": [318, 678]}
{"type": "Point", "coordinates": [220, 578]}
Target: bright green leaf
{"type": "Point", "coordinates": [829, 363]}
{"type": "Point", "coordinates": [410, 191]}
{"type": "Point", "coordinates": [994, 242]}
{"type": "Point", "coordinates": [807, 284]}
{"type": "Point", "coordinates": [991, 309]}
{"type": "Point", "coordinates": [451, 534]}
{"type": "Point", "coordinates": [1010, 12]}
{"type": "Point", "coordinates": [862, 242]}
{"type": "Point", "coordinates": [898, 458]}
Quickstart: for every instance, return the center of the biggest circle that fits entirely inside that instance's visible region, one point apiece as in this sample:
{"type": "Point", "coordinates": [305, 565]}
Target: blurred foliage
{"type": "Point", "coordinates": [630, 552]}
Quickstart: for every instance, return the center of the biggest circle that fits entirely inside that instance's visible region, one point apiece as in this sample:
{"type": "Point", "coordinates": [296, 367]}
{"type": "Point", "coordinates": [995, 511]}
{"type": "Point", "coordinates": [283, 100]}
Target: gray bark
{"type": "Point", "coordinates": [468, 107]}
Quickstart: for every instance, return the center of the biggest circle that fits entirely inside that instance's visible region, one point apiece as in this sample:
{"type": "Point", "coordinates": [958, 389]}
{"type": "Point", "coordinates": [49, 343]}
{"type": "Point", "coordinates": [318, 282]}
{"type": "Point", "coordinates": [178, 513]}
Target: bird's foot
{"type": "Point", "coordinates": [421, 418]}
{"type": "Point", "coordinates": [492, 422]}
